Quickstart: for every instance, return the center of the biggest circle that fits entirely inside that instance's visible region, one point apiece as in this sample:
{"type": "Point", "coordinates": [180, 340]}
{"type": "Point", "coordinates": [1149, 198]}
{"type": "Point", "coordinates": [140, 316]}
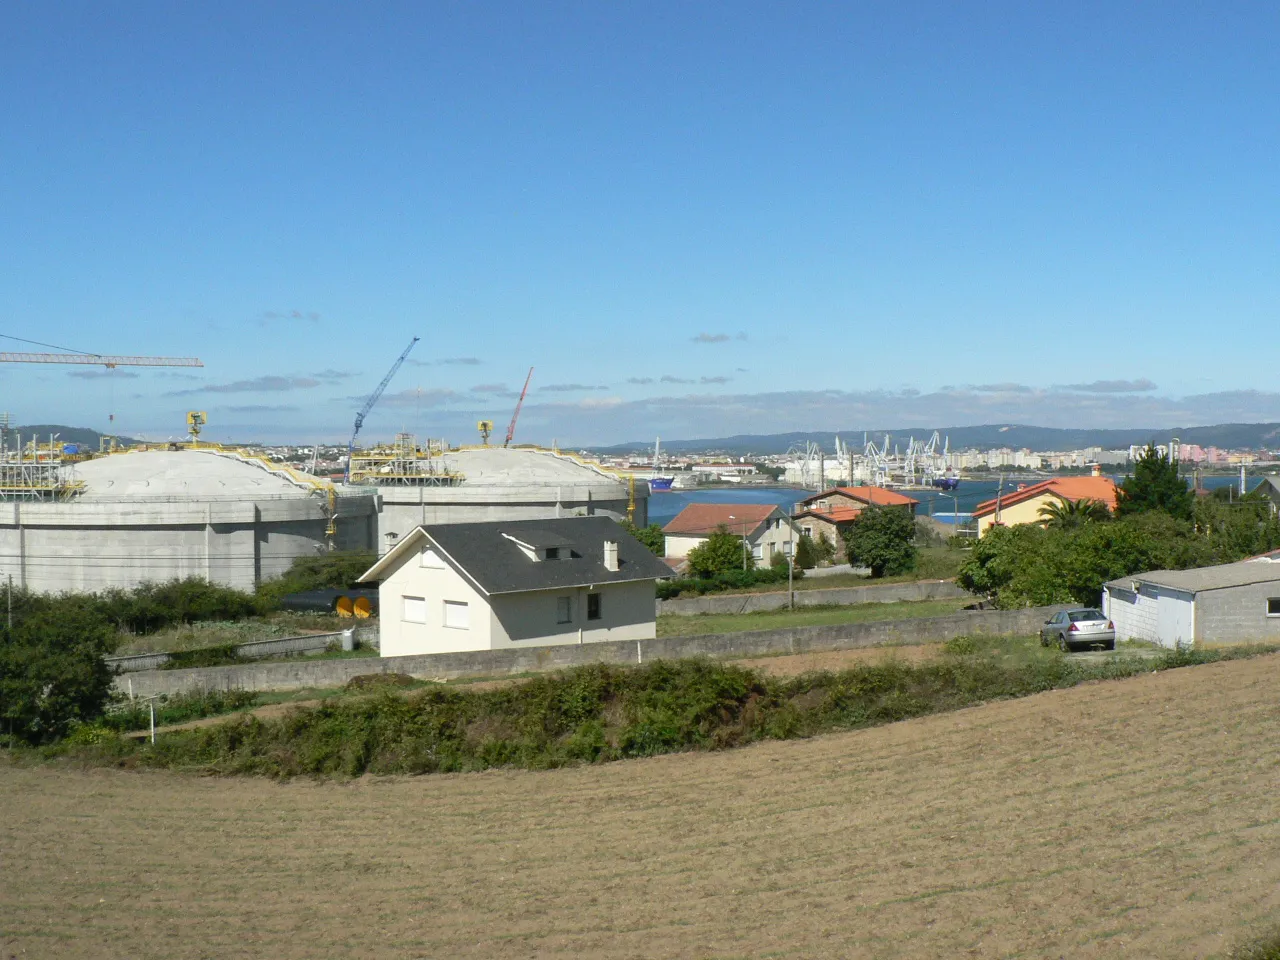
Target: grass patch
{"type": "Point", "coordinates": [600, 713]}
{"type": "Point", "coordinates": [1266, 947]}
{"type": "Point", "coordinates": [221, 633]}
{"type": "Point", "coordinates": [177, 708]}
{"type": "Point", "coordinates": [932, 563]}
{"type": "Point", "coordinates": [675, 625]}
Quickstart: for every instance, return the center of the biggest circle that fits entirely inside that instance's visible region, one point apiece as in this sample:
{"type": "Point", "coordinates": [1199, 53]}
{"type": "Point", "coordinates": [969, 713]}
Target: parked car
{"type": "Point", "coordinates": [1083, 627]}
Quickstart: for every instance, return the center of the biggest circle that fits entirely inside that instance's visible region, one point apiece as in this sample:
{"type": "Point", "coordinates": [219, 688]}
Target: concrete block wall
{"type": "Point", "coordinates": [323, 674]}
{"type": "Point", "coordinates": [873, 593]}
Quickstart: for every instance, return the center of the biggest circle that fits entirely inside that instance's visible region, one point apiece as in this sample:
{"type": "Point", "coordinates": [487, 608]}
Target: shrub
{"type": "Point", "coordinates": [337, 570]}
{"type": "Point", "coordinates": [52, 672]}
{"type": "Point", "coordinates": [176, 708]}
{"type": "Point", "coordinates": [720, 552]}
{"type": "Point", "coordinates": [601, 712]}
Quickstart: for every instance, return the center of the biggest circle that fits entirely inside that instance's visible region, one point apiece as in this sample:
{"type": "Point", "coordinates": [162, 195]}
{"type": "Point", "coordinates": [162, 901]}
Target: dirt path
{"type": "Point", "coordinates": [1133, 819]}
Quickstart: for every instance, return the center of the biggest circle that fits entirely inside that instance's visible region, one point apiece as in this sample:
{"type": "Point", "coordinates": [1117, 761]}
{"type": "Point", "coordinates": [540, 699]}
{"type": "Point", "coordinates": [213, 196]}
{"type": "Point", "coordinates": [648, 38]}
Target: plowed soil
{"type": "Point", "coordinates": [1138, 818]}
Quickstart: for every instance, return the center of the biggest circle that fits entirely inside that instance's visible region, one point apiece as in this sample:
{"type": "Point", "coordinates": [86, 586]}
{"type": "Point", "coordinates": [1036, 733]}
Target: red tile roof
{"type": "Point", "coordinates": [1065, 488]}
{"type": "Point", "coordinates": [837, 515]}
{"type": "Point", "coordinates": [880, 496]}
{"type": "Point", "coordinates": [702, 519]}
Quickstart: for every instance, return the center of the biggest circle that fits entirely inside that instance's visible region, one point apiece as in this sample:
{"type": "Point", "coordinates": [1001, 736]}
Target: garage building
{"type": "Point", "coordinates": [1226, 604]}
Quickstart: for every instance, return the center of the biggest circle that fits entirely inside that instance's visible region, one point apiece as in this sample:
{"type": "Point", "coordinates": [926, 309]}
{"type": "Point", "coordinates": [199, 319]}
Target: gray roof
{"type": "Point", "coordinates": [1206, 578]}
{"type": "Point", "coordinates": [488, 554]}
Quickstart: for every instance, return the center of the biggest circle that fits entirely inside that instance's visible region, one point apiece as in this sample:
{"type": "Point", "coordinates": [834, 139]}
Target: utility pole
{"type": "Point", "coordinates": [791, 564]}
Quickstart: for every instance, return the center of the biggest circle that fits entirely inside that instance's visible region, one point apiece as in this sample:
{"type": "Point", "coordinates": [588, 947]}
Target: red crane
{"type": "Point", "coordinates": [511, 430]}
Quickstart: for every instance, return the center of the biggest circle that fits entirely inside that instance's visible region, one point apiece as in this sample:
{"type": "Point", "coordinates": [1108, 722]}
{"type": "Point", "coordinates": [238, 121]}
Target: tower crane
{"type": "Point", "coordinates": [368, 405]}
{"type": "Point", "coordinates": [110, 361]}
{"type": "Point", "coordinates": [511, 430]}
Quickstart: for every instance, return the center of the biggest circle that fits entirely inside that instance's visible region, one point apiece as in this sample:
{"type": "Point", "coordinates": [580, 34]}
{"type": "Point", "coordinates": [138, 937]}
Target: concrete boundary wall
{"type": "Point", "coordinates": [320, 674]}
{"type": "Point", "coordinates": [874, 593]}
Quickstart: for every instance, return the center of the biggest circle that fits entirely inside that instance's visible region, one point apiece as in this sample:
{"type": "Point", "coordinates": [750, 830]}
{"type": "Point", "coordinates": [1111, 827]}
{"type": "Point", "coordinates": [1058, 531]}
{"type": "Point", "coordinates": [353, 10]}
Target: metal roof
{"type": "Point", "coordinates": [488, 554]}
{"type": "Point", "coordinates": [1224, 575]}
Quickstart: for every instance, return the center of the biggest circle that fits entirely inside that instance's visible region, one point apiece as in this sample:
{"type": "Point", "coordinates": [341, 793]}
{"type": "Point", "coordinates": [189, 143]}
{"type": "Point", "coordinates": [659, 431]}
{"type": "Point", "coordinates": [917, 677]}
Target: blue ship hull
{"type": "Point", "coordinates": [661, 483]}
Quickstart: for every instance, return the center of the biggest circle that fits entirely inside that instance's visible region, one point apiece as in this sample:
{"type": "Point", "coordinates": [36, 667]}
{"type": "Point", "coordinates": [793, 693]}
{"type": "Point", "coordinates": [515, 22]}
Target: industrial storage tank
{"type": "Point", "coordinates": [471, 484]}
{"type": "Point", "coordinates": [152, 515]}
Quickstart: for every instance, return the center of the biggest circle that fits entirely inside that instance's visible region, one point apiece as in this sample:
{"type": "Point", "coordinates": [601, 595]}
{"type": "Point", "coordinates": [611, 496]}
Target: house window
{"type": "Point", "coordinates": [593, 606]}
{"type": "Point", "coordinates": [1273, 606]}
{"type": "Point", "coordinates": [457, 615]}
{"type": "Point", "coordinates": [757, 551]}
{"type": "Point", "coordinates": [415, 609]}
{"type": "Point", "coordinates": [564, 609]}
{"type": "Point", "coordinates": [432, 559]}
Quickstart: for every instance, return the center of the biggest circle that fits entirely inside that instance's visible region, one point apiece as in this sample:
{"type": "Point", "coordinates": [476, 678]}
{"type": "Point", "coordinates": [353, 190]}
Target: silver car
{"type": "Point", "coordinates": [1084, 627]}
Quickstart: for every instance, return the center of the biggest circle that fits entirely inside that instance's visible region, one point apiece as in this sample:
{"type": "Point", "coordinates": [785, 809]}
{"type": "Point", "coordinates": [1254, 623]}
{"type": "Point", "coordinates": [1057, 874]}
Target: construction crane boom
{"type": "Point", "coordinates": [373, 399]}
{"type": "Point", "coordinates": [511, 430]}
{"type": "Point", "coordinates": [100, 360]}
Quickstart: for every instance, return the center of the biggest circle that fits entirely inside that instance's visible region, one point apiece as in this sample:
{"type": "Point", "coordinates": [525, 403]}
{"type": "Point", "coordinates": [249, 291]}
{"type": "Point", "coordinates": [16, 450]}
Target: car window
{"type": "Point", "coordinates": [1081, 615]}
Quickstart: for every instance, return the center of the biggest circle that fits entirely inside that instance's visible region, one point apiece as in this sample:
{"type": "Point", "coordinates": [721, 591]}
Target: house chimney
{"type": "Point", "coordinates": [611, 555]}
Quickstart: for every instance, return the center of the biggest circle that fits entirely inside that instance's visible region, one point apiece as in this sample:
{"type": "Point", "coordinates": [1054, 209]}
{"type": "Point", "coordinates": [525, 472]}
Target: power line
{"type": "Point", "coordinates": [52, 346]}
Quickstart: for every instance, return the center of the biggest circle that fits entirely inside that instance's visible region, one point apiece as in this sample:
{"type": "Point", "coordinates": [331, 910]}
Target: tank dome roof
{"type": "Point", "coordinates": [181, 475]}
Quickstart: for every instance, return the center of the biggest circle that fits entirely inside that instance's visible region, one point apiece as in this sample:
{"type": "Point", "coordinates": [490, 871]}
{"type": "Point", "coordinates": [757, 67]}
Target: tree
{"type": "Point", "coordinates": [719, 553]}
{"type": "Point", "coordinates": [651, 536]}
{"type": "Point", "coordinates": [881, 538]}
{"type": "Point", "coordinates": [1068, 514]}
{"type": "Point", "coordinates": [1154, 485]}
{"type": "Point", "coordinates": [52, 672]}
{"type": "Point", "coordinates": [806, 552]}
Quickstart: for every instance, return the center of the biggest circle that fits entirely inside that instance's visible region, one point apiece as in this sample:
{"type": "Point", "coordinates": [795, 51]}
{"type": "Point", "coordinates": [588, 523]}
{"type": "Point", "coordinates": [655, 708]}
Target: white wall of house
{"type": "Point", "coordinates": [679, 545]}
{"type": "Point", "coordinates": [771, 538]}
{"type": "Point", "coordinates": [553, 617]}
{"type": "Point", "coordinates": [417, 598]}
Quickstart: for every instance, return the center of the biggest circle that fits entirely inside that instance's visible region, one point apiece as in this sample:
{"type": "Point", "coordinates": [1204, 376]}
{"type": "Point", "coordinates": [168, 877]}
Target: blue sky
{"type": "Point", "coordinates": [692, 219]}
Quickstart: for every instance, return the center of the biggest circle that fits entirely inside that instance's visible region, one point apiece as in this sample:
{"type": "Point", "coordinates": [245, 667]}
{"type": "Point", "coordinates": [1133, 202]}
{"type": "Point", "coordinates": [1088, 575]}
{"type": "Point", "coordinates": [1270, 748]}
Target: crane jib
{"type": "Point", "coordinates": [373, 399]}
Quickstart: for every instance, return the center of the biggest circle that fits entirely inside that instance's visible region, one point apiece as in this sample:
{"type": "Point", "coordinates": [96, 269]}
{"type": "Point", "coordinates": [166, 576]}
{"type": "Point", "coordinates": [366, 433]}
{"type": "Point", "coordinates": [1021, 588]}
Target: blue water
{"type": "Point", "coordinates": [665, 505]}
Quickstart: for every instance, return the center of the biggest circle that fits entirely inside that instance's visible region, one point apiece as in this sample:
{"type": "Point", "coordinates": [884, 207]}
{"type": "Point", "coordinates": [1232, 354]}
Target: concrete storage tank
{"type": "Point", "coordinates": [489, 483]}
{"type": "Point", "coordinates": [120, 520]}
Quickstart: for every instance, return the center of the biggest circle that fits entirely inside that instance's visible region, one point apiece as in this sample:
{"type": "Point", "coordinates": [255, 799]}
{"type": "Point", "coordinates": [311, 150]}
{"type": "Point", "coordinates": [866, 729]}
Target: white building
{"type": "Point", "coordinates": [767, 530]}
{"type": "Point", "coordinates": [492, 586]}
{"type": "Point", "coordinates": [1225, 604]}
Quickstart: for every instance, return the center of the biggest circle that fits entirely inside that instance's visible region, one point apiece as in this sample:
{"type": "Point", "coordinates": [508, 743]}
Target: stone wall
{"type": "Point", "coordinates": [322, 674]}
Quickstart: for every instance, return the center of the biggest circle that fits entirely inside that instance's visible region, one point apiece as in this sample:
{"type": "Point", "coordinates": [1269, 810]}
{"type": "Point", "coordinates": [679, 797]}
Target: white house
{"type": "Point", "coordinates": [1228, 603]}
{"type": "Point", "coordinates": [766, 528]}
{"type": "Point", "coordinates": [491, 586]}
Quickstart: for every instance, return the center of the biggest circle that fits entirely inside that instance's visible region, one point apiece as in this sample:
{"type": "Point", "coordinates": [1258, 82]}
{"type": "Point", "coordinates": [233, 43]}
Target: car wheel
{"type": "Point", "coordinates": [1062, 643]}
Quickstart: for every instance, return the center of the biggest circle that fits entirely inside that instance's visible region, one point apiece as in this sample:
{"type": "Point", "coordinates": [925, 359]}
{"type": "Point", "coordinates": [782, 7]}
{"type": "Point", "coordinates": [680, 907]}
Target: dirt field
{"type": "Point", "coordinates": [1134, 819]}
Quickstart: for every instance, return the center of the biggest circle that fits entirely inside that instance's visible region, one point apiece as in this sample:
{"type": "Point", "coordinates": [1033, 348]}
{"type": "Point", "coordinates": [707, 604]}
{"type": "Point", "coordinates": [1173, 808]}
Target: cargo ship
{"type": "Point", "coordinates": [657, 483]}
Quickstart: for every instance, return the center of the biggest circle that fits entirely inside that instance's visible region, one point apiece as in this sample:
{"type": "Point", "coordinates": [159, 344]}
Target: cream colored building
{"type": "Point", "coordinates": [1023, 505]}
{"type": "Point", "coordinates": [490, 586]}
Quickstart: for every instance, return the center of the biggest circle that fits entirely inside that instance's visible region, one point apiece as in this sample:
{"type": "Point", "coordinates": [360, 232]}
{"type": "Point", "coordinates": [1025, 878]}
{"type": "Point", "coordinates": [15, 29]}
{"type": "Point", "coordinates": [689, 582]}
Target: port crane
{"type": "Point", "coordinates": [369, 404]}
{"type": "Point", "coordinates": [511, 430]}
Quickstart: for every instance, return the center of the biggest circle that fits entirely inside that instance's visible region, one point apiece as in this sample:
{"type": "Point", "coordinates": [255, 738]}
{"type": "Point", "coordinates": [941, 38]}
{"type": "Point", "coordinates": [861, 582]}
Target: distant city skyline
{"type": "Point", "coordinates": [692, 221]}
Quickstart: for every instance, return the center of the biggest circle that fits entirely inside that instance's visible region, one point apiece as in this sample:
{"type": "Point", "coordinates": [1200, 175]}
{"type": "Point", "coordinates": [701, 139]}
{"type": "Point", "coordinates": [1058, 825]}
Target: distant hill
{"type": "Point", "coordinates": [65, 434]}
{"type": "Point", "coordinates": [1234, 436]}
